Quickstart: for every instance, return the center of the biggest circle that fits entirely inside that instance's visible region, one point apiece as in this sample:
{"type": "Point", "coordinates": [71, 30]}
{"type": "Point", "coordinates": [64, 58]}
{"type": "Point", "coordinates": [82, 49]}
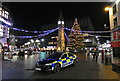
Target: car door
{"type": "Point", "coordinates": [71, 58]}
{"type": "Point", "coordinates": [64, 61]}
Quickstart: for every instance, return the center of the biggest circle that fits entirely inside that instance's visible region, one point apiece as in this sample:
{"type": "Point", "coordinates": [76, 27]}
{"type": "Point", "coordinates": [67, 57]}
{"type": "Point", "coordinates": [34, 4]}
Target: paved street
{"type": "Point", "coordinates": [86, 68]}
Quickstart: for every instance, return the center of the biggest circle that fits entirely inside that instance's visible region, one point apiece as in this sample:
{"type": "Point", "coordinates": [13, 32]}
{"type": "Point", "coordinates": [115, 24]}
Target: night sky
{"type": "Point", "coordinates": [32, 15]}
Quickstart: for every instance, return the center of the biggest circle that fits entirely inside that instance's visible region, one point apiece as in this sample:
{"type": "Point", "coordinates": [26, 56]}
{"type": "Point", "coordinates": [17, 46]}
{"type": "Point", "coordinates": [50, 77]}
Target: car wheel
{"type": "Point", "coordinates": [57, 68]}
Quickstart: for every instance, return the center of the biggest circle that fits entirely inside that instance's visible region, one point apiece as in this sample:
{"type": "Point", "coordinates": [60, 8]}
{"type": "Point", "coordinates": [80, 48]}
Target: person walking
{"type": "Point", "coordinates": [97, 54]}
{"type": "Point", "coordinates": [22, 55]}
{"type": "Point", "coordinates": [94, 53]}
{"type": "Point", "coordinates": [102, 56]}
{"type": "Point", "coordinates": [88, 52]}
{"type": "Point", "coordinates": [19, 54]}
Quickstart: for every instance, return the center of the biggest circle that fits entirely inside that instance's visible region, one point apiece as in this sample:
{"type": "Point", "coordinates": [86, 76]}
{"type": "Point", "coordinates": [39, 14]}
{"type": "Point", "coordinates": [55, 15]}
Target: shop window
{"type": "Point", "coordinates": [114, 9]}
{"type": "Point", "coordinates": [115, 22]}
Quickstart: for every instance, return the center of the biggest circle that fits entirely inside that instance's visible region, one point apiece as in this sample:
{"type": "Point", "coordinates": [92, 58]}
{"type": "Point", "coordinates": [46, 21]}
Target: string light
{"type": "Point", "coordinates": [89, 31]}
{"type": "Point", "coordinates": [66, 37]}
{"type": "Point", "coordinates": [40, 35]}
{"type": "Point", "coordinates": [50, 31]}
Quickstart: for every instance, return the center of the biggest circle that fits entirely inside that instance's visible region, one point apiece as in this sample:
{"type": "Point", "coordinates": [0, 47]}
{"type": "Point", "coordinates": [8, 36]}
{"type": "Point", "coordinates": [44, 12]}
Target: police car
{"type": "Point", "coordinates": [56, 61]}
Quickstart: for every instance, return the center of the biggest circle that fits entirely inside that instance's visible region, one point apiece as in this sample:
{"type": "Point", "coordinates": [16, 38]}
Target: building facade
{"type": "Point", "coordinates": [5, 23]}
{"type": "Point", "coordinates": [114, 17]}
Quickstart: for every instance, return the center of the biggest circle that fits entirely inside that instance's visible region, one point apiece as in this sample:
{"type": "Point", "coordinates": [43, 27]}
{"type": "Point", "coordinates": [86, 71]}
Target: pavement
{"type": "Point", "coordinates": [86, 68]}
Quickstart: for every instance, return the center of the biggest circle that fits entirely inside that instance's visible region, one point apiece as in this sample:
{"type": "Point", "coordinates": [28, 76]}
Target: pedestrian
{"type": "Point", "coordinates": [105, 51]}
{"type": "Point", "coordinates": [97, 54]}
{"type": "Point", "coordinates": [30, 52]}
{"type": "Point", "coordinates": [102, 56]}
{"type": "Point", "coordinates": [88, 52]}
{"type": "Point", "coordinates": [55, 50]}
{"type": "Point", "coordinates": [94, 53]}
{"type": "Point", "coordinates": [19, 54]}
{"type": "Point", "coordinates": [94, 56]}
{"type": "Point", "coordinates": [22, 55]}
{"type": "Point", "coordinates": [51, 51]}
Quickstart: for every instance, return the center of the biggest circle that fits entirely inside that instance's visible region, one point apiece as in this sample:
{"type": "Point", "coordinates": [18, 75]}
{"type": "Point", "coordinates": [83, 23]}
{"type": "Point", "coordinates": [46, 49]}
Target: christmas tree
{"type": "Point", "coordinates": [76, 38]}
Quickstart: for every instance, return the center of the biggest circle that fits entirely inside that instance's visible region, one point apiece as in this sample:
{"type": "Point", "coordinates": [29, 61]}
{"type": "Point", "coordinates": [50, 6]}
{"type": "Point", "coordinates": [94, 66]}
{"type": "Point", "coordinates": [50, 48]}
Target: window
{"type": "Point", "coordinates": [114, 9]}
{"type": "Point", "coordinates": [55, 55]}
{"type": "Point", "coordinates": [70, 54]}
{"type": "Point", "coordinates": [115, 22]}
{"type": "Point", "coordinates": [64, 56]}
{"type": "Point", "coordinates": [6, 12]}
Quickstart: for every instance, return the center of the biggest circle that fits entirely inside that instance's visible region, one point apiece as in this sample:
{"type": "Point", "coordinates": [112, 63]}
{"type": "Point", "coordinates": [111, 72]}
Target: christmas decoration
{"type": "Point", "coordinates": [75, 38]}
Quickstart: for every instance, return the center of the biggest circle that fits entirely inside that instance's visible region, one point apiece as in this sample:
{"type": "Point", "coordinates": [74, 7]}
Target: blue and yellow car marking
{"type": "Point", "coordinates": [64, 62]}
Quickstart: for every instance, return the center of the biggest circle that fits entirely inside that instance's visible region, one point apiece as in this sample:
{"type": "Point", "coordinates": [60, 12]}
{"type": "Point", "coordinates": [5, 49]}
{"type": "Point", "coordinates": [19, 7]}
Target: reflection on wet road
{"type": "Point", "coordinates": [84, 69]}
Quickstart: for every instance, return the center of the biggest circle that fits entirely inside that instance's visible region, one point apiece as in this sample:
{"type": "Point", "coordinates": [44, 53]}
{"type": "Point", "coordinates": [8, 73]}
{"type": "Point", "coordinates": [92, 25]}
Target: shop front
{"type": "Point", "coordinates": [116, 43]}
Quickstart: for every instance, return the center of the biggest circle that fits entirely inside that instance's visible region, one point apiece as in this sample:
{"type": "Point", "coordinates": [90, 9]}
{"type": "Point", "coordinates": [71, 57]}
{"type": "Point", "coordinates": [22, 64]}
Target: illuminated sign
{"type": "Point", "coordinates": [116, 35]}
{"type": "Point", "coordinates": [6, 45]}
{"type": "Point", "coordinates": [115, 44]}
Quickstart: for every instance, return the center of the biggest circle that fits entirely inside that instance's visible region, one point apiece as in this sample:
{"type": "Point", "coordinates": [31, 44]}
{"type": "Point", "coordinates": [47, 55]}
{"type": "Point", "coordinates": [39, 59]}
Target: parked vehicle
{"type": "Point", "coordinates": [56, 61]}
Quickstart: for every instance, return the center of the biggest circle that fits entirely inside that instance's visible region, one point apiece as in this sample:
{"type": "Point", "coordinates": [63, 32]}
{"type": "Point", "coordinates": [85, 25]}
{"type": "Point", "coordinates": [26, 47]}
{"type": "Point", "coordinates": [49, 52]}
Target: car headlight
{"type": "Point", "coordinates": [49, 64]}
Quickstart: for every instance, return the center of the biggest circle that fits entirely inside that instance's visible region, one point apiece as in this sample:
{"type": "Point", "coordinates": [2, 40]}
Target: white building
{"type": "Point", "coordinates": [5, 23]}
{"type": "Point", "coordinates": [114, 17]}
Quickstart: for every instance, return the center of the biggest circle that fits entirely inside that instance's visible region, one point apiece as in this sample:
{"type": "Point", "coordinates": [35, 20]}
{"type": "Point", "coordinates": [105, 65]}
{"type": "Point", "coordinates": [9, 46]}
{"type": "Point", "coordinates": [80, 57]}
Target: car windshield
{"type": "Point", "coordinates": [55, 55]}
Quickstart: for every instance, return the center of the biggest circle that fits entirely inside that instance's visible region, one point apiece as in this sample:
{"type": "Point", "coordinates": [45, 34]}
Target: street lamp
{"type": "Point", "coordinates": [16, 40]}
{"type": "Point", "coordinates": [107, 8]}
{"type": "Point", "coordinates": [42, 40]}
